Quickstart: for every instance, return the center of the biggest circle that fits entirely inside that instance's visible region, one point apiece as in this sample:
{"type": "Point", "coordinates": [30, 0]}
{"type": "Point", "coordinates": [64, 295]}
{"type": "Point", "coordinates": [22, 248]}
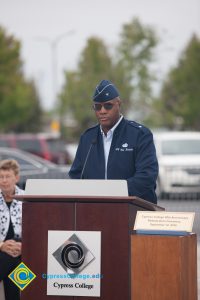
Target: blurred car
{"type": "Point", "coordinates": [71, 148]}
{"type": "Point", "coordinates": [179, 163]}
{"type": "Point", "coordinates": [32, 166]}
{"type": "Point", "coordinates": [43, 145]}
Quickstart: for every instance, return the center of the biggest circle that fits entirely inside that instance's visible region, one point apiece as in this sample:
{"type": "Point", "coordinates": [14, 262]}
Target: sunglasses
{"type": "Point", "coordinates": [106, 106]}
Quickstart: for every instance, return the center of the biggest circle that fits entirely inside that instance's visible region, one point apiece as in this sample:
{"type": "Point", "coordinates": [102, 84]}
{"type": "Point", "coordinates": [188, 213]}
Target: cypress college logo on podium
{"type": "Point", "coordinates": [73, 255]}
{"type": "Point", "coordinates": [73, 263]}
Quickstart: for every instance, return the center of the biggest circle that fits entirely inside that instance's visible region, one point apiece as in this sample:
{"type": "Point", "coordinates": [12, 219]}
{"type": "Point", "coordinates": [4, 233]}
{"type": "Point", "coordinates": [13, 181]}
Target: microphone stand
{"type": "Point", "coordinates": [87, 156]}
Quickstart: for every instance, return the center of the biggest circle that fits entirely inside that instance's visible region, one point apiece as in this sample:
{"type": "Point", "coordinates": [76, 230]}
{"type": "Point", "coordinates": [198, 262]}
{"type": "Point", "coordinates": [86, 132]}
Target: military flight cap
{"type": "Point", "coordinates": [105, 91]}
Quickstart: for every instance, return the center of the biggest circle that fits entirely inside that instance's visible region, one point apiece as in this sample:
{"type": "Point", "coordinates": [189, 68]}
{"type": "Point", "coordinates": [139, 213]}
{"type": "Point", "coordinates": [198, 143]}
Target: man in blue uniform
{"type": "Point", "coordinates": [117, 148]}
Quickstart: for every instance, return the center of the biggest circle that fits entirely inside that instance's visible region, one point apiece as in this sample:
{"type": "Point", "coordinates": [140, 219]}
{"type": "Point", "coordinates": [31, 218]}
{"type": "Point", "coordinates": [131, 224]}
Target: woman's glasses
{"type": "Point", "coordinates": [106, 106]}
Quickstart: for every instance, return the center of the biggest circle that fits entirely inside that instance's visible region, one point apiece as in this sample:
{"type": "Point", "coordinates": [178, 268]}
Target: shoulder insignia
{"type": "Point", "coordinates": [135, 124]}
{"type": "Point", "coordinates": [138, 126]}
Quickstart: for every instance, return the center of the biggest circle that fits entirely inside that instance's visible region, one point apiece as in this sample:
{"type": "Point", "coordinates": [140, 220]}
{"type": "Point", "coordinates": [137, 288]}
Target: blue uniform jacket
{"type": "Point", "coordinates": [132, 157]}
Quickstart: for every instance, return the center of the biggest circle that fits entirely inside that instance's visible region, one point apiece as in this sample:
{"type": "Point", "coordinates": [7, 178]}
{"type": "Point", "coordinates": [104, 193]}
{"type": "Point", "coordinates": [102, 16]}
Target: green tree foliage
{"type": "Point", "coordinates": [20, 107]}
{"type": "Point", "coordinates": [77, 93]}
{"type": "Point", "coordinates": [127, 68]}
{"type": "Point", "coordinates": [179, 104]}
{"type": "Point", "coordinates": [135, 54]}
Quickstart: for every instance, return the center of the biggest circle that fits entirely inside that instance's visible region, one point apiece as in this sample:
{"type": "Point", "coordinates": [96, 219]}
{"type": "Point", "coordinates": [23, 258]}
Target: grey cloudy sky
{"type": "Point", "coordinates": [37, 23]}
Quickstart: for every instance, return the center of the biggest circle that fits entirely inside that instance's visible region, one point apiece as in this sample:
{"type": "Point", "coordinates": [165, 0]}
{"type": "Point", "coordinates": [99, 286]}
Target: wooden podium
{"type": "Point", "coordinates": [164, 267]}
{"type": "Point", "coordinates": [113, 216]}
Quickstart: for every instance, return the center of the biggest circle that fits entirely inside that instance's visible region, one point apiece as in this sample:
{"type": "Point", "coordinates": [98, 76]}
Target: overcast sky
{"type": "Point", "coordinates": [37, 24]}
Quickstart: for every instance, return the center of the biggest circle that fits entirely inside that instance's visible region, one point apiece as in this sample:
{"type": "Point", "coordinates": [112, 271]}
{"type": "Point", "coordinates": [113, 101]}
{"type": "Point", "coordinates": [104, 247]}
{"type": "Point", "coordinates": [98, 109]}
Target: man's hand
{"type": "Point", "coordinates": [12, 248]}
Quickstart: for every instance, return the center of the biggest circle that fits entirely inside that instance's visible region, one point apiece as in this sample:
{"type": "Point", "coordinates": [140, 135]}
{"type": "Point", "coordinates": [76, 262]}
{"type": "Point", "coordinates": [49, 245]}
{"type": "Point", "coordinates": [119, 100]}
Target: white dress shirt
{"type": "Point", "coordinates": [107, 140]}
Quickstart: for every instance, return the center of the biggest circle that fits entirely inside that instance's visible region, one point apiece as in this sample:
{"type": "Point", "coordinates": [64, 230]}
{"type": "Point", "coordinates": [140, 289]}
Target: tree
{"type": "Point", "coordinates": [135, 53]}
{"type": "Point", "coordinates": [127, 68]}
{"type": "Point", "coordinates": [179, 103]}
{"type": "Point", "coordinates": [20, 106]}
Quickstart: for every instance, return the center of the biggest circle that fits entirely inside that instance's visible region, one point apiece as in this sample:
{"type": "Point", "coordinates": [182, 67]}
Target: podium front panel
{"type": "Point", "coordinates": [112, 220]}
{"type": "Point", "coordinates": [38, 218]}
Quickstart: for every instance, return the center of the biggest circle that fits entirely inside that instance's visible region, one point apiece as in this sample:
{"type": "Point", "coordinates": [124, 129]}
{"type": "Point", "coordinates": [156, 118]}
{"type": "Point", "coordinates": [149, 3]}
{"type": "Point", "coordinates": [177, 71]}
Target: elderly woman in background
{"type": "Point", "coordinates": [10, 225]}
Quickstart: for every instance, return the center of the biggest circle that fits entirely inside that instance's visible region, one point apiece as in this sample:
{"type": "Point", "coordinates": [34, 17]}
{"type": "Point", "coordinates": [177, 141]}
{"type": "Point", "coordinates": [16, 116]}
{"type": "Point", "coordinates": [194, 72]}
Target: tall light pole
{"type": "Point", "coordinates": [53, 43]}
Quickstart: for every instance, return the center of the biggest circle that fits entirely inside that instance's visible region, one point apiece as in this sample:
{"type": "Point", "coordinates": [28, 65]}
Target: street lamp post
{"type": "Point", "coordinates": [53, 43]}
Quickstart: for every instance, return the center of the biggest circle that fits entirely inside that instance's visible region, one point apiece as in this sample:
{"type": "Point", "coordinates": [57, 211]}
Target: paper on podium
{"type": "Point", "coordinates": [76, 187]}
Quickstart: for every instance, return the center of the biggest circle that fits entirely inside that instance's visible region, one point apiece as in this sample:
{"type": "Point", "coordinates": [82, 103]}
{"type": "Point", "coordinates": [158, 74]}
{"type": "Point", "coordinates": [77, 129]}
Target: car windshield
{"type": "Point", "coordinates": [181, 147]}
{"type": "Point", "coordinates": [28, 145]}
{"type": "Point", "coordinates": [4, 143]}
{"type": "Point", "coordinates": [55, 145]}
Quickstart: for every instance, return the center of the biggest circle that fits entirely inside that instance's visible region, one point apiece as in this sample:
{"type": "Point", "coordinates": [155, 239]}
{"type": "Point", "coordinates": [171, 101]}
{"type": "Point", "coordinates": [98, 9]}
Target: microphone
{"type": "Point", "coordinates": [94, 141]}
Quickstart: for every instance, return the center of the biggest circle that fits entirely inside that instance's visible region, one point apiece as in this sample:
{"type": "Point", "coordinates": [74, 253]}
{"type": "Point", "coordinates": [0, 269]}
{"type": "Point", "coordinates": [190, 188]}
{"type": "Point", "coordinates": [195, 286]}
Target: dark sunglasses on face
{"type": "Point", "coordinates": [106, 106]}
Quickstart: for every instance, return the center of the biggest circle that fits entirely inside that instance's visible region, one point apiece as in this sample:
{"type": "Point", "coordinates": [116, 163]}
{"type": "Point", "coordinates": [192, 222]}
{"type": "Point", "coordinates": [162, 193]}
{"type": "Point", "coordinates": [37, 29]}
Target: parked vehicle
{"type": "Point", "coordinates": [43, 145]}
{"type": "Point", "coordinates": [179, 162]}
{"type": "Point", "coordinates": [71, 149]}
{"type": "Point", "coordinates": [32, 166]}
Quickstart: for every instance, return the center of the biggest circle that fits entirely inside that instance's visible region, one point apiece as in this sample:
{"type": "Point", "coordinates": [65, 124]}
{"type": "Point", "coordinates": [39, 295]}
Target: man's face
{"type": "Point", "coordinates": [8, 179]}
{"type": "Point", "coordinates": [107, 113]}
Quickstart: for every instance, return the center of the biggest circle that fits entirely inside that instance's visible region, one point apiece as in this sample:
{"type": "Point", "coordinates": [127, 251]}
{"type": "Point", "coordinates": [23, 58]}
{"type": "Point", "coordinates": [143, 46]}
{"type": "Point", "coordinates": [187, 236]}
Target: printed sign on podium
{"type": "Point", "coordinates": [74, 263]}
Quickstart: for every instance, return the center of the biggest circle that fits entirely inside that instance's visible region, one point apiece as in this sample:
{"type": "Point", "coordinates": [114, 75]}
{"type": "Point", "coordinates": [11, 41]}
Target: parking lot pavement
{"type": "Point", "coordinates": [188, 206]}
